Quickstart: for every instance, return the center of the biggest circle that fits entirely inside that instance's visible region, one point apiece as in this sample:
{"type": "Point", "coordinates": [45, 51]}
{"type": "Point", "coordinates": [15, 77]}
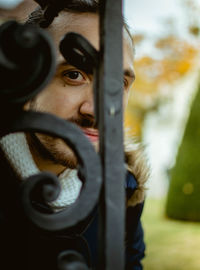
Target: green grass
{"type": "Point", "coordinates": [170, 244]}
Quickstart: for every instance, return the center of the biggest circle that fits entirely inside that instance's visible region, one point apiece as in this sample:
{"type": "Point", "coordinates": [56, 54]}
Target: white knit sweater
{"type": "Point", "coordinates": [18, 154]}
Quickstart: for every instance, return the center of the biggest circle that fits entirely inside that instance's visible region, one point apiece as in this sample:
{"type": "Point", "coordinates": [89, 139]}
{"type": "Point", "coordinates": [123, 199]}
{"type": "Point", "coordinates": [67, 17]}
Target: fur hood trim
{"type": "Point", "coordinates": [137, 165]}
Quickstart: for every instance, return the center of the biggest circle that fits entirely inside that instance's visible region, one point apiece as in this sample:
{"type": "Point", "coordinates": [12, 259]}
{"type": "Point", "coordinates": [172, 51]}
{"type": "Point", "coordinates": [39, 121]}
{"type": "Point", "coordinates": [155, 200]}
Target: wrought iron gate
{"type": "Point", "coordinates": [102, 189]}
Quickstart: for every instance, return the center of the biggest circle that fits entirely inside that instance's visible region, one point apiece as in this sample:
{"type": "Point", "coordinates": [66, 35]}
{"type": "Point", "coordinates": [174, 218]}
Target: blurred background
{"type": "Point", "coordinates": [163, 113]}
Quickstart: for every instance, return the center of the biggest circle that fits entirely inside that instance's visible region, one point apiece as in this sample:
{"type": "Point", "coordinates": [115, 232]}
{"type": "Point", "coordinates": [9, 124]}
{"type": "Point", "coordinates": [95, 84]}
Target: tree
{"type": "Point", "coordinates": [183, 197]}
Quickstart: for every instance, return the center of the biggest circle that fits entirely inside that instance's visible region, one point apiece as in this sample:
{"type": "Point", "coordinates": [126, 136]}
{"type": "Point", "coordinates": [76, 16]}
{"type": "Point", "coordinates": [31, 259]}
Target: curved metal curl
{"type": "Point", "coordinates": [71, 260]}
{"type": "Point", "coordinates": [27, 63]}
{"type": "Point", "coordinates": [78, 51]}
{"type": "Point", "coordinates": [89, 163]}
{"type": "Point", "coordinates": [43, 188]}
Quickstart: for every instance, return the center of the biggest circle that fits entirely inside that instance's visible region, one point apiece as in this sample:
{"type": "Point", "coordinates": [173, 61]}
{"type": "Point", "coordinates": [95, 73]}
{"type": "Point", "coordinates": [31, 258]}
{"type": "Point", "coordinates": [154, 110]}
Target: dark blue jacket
{"type": "Point", "coordinates": [23, 246]}
{"type": "Point", "coordinates": [135, 246]}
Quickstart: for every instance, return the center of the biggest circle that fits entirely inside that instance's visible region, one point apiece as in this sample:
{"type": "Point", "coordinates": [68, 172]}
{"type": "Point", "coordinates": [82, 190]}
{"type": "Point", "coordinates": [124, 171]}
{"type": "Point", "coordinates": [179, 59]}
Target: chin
{"type": "Point", "coordinates": [58, 152]}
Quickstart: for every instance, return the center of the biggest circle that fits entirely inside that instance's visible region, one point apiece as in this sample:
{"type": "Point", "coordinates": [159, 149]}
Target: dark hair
{"type": "Point", "coordinates": [49, 9]}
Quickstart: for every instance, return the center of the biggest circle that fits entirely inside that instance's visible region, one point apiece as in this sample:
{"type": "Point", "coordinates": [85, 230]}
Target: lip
{"type": "Point", "coordinates": [92, 134]}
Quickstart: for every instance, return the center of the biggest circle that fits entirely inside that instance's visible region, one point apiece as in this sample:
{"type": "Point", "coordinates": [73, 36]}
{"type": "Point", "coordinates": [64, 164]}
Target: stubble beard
{"type": "Point", "coordinates": [55, 150]}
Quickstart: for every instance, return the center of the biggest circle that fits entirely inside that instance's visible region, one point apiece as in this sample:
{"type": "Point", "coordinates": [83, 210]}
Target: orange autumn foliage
{"type": "Point", "coordinates": [175, 58]}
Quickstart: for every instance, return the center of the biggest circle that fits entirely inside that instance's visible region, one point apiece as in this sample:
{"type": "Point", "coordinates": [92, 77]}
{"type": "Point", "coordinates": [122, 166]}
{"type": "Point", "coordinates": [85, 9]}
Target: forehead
{"type": "Point", "coordinates": [86, 24]}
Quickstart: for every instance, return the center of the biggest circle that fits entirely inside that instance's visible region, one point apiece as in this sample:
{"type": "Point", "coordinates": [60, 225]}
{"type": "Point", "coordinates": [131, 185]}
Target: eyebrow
{"type": "Point", "coordinates": [127, 72]}
{"type": "Point", "coordinates": [63, 63]}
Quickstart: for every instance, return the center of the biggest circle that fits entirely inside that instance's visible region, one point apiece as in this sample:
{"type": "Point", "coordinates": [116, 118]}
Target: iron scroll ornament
{"type": "Point", "coordinates": [27, 63]}
{"type": "Point", "coordinates": [89, 169]}
{"type": "Point", "coordinates": [79, 52]}
{"type": "Point", "coordinates": [13, 100]}
{"type": "Point", "coordinates": [110, 116]}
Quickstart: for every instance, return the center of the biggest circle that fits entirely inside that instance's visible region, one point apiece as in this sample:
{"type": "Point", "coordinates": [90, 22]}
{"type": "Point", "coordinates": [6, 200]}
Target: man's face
{"type": "Point", "coordinates": [70, 94]}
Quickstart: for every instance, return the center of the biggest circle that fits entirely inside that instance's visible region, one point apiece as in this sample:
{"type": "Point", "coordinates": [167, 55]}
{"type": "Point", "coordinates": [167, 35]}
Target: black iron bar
{"type": "Point", "coordinates": [111, 136]}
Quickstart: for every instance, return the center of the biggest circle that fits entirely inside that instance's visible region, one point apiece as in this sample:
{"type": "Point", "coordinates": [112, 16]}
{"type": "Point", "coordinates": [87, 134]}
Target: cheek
{"type": "Point", "coordinates": [54, 103]}
{"type": "Point", "coordinates": [50, 98]}
{"type": "Point", "coordinates": [125, 99]}
{"type": "Point", "coordinates": [57, 99]}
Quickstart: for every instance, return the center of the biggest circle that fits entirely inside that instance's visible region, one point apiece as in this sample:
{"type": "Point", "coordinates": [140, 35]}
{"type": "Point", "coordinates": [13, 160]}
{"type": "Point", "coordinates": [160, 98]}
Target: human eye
{"type": "Point", "coordinates": [74, 77]}
{"type": "Point", "coordinates": [128, 82]}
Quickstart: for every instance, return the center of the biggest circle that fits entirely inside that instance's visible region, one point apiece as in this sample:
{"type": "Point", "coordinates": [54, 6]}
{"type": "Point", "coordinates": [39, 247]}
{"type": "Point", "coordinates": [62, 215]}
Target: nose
{"type": "Point", "coordinates": [87, 105]}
